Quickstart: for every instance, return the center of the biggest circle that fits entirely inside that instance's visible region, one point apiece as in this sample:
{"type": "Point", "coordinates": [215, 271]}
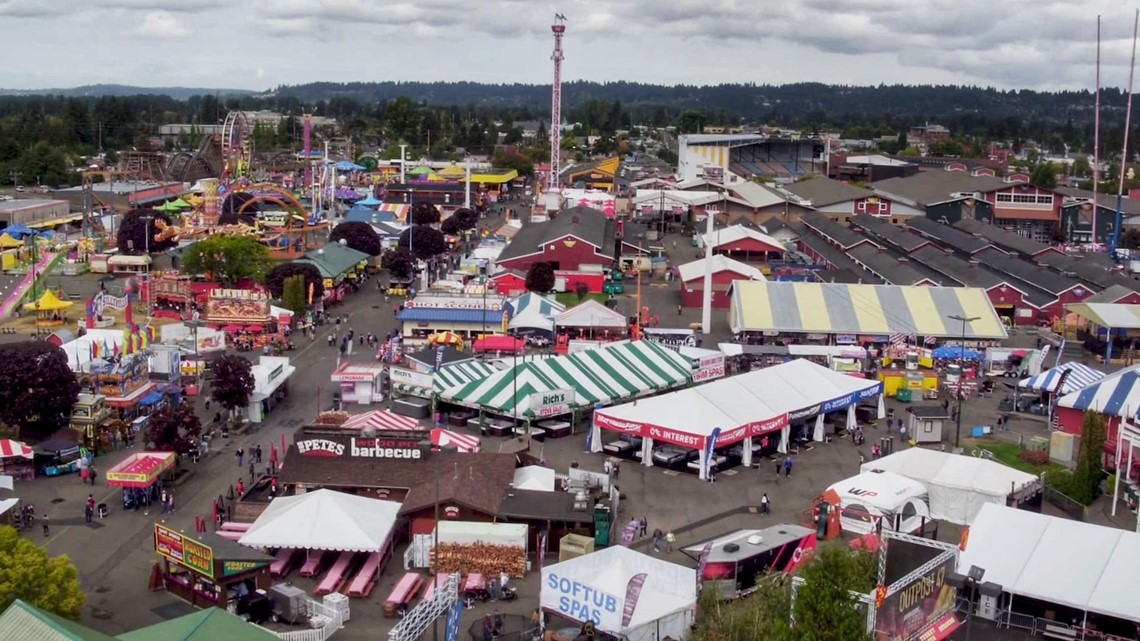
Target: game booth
{"type": "Point", "coordinates": [756, 410]}
{"type": "Point", "coordinates": [624, 593]}
{"type": "Point", "coordinates": [138, 476]}
{"type": "Point", "coordinates": [248, 315]}
{"type": "Point", "coordinates": [206, 569]}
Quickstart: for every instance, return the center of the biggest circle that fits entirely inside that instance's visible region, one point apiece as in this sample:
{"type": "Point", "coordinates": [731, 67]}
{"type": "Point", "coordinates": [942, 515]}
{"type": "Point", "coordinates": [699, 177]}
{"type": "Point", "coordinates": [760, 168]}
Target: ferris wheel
{"type": "Point", "coordinates": [237, 144]}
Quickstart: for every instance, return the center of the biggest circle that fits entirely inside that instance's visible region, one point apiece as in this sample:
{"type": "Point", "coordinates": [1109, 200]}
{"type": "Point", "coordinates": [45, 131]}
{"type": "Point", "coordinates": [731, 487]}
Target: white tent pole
{"type": "Point", "coordinates": [1119, 444]}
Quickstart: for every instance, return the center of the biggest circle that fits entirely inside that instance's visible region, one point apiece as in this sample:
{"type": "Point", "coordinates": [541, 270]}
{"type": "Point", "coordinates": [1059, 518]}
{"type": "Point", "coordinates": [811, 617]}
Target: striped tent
{"type": "Point", "coordinates": [614, 372]}
{"type": "Point", "coordinates": [1115, 395]}
{"type": "Point", "coordinates": [464, 443]}
{"type": "Point", "coordinates": [381, 420]}
{"type": "Point", "coordinates": [1080, 377]}
{"type": "Point", "coordinates": [461, 373]}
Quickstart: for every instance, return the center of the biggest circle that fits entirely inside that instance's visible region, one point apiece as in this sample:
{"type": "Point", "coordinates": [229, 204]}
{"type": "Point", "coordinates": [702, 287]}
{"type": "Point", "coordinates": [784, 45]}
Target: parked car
{"type": "Point", "coordinates": [672, 456]}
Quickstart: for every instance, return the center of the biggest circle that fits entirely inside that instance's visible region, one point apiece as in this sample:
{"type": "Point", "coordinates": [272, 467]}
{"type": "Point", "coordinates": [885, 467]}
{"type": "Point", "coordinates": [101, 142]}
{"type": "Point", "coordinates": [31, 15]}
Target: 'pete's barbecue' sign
{"type": "Point", "coordinates": [360, 448]}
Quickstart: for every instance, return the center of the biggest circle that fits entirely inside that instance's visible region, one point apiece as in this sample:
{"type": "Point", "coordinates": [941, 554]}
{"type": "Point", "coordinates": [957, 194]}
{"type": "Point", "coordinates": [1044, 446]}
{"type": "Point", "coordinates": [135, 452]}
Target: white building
{"type": "Point", "coordinates": [270, 377]}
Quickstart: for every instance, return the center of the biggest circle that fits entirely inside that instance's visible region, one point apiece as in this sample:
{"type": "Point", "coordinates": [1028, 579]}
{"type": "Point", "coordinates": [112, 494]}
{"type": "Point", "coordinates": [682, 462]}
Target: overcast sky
{"type": "Point", "coordinates": [258, 44]}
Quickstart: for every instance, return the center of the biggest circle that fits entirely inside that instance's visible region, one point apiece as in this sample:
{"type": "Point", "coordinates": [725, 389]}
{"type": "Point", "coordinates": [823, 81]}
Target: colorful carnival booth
{"type": "Point", "coordinates": [1116, 397]}
{"type": "Point", "coordinates": [624, 593]}
{"type": "Point", "coordinates": [207, 569]}
{"type": "Point", "coordinates": [1063, 379]}
{"type": "Point", "coordinates": [141, 470]}
{"type": "Point", "coordinates": [740, 408]}
{"type": "Point", "coordinates": [568, 384]}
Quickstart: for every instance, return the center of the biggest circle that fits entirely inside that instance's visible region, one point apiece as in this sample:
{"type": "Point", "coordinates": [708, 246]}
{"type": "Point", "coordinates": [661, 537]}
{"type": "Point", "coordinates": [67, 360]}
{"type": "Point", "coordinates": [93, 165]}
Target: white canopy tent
{"type": "Point", "coordinates": [535, 477]}
{"type": "Point", "coordinates": [1079, 565]}
{"type": "Point", "coordinates": [590, 313]}
{"type": "Point", "coordinates": [870, 497]}
{"type": "Point", "coordinates": [958, 486]}
{"type": "Point", "coordinates": [597, 587]}
{"type": "Point", "coordinates": [324, 520]}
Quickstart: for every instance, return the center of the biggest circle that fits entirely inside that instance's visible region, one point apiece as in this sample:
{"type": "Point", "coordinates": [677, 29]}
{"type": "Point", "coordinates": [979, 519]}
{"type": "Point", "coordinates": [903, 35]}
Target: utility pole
{"type": "Point", "coordinates": [15, 178]}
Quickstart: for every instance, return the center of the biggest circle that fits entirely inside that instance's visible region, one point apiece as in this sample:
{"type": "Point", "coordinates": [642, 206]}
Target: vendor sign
{"type": "Point", "coordinates": [552, 402]}
{"type": "Point", "coordinates": [237, 567]}
{"type": "Point", "coordinates": [183, 550]}
{"type": "Point", "coordinates": [908, 611]}
{"type": "Point", "coordinates": [709, 368]}
{"type": "Point", "coordinates": [580, 602]}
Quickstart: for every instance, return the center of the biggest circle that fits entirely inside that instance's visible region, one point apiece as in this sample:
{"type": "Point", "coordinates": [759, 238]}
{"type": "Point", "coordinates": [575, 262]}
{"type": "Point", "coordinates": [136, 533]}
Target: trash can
{"type": "Point", "coordinates": [904, 396]}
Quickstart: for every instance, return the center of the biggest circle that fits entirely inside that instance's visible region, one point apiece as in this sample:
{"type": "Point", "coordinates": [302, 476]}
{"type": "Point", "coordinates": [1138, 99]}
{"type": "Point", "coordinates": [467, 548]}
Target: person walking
{"type": "Point", "coordinates": [669, 540]}
{"type": "Point", "coordinates": [89, 508]}
{"type": "Point", "coordinates": [644, 522]}
{"type": "Point", "coordinates": [257, 452]}
{"type": "Point", "coordinates": [779, 466]}
{"type": "Point", "coordinates": [240, 455]}
{"type": "Point", "coordinates": [207, 404]}
{"type": "Point", "coordinates": [765, 505]}
{"type": "Point", "coordinates": [165, 502]}
{"type": "Point", "coordinates": [679, 308]}
{"type": "Point", "coordinates": [92, 473]}
{"type": "Point", "coordinates": [46, 524]}
{"type": "Point", "coordinates": [788, 467]}
{"type": "Point", "coordinates": [658, 536]}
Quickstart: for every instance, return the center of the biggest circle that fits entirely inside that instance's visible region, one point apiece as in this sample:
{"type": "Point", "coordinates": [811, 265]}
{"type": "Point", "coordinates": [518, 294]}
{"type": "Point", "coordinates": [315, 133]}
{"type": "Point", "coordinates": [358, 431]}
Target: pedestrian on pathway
{"type": "Point", "coordinates": [47, 527]}
{"type": "Point", "coordinates": [788, 467]}
{"type": "Point", "coordinates": [93, 473]}
{"type": "Point", "coordinates": [252, 469]}
{"type": "Point", "coordinates": [608, 467]}
{"type": "Point", "coordinates": [616, 470]}
{"type": "Point", "coordinates": [165, 502]}
{"type": "Point", "coordinates": [257, 452]}
{"type": "Point", "coordinates": [89, 508]}
{"type": "Point", "coordinates": [669, 540]}
{"type": "Point", "coordinates": [679, 309]}
{"type": "Point", "coordinates": [644, 523]}
{"type": "Point", "coordinates": [658, 537]}
{"type": "Point", "coordinates": [779, 466]}
{"type": "Point", "coordinates": [240, 454]}
{"type": "Point", "coordinates": [765, 505]}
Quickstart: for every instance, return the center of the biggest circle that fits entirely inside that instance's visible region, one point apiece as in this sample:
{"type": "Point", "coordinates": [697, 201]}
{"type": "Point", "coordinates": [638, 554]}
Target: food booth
{"type": "Point", "coordinates": [17, 460]}
{"type": "Point", "coordinates": [360, 383]}
{"type": "Point", "coordinates": [207, 570]}
{"type": "Point", "coordinates": [140, 470]}
{"type": "Point", "coordinates": [93, 422]}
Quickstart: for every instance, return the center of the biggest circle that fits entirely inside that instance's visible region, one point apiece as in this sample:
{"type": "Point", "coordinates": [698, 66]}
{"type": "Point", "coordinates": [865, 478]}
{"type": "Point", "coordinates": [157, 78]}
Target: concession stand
{"type": "Point", "coordinates": [207, 570]}
{"type": "Point", "coordinates": [17, 460]}
{"type": "Point", "coordinates": [140, 471]}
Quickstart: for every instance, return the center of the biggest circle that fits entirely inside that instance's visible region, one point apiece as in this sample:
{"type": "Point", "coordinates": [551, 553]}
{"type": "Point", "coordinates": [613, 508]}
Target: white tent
{"type": "Point", "coordinates": [590, 313]}
{"type": "Point", "coordinates": [1080, 565]}
{"type": "Point", "coordinates": [324, 520]}
{"type": "Point", "coordinates": [597, 587]}
{"type": "Point", "coordinates": [866, 499]}
{"type": "Point", "coordinates": [958, 486]}
{"type": "Point", "coordinates": [534, 477]}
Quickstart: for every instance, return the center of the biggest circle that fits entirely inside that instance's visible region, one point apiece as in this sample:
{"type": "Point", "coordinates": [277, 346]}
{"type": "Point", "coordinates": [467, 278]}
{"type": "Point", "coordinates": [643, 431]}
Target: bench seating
{"type": "Point", "coordinates": [336, 575]}
{"type": "Point", "coordinates": [403, 594]}
{"type": "Point", "coordinates": [312, 563]}
{"type": "Point", "coordinates": [230, 534]}
{"type": "Point", "coordinates": [440, 581]}
{"type": "Point", "coordinates": [230, 526]}
{"type": "Point", "coordinates": [284, 562]}
{"type": "Point", "coordinates": [365, 579]}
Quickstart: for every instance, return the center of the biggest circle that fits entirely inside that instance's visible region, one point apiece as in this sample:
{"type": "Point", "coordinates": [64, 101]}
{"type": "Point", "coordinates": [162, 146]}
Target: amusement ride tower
{"type": "Point", "coordinates": [558, 28]}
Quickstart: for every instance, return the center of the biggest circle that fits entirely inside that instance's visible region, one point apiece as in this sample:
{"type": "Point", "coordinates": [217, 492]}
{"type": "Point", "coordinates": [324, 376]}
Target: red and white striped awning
{"type": "Point", "coordinates": [463, 442]}
{"type": "Point", "coordinates": [381, 420]}
{"type": "Point", "coordinates": [10, 449]}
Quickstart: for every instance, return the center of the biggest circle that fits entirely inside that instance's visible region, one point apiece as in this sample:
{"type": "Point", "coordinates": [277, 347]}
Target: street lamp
{"type": "Point", "coordinates": [147, 220]}
{"type": "Point", "coordinates": [961, 373]}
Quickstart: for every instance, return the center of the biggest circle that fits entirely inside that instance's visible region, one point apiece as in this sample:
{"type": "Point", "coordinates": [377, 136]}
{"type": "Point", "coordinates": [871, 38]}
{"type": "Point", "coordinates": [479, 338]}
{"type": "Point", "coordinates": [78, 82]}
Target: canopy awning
{"type": "Point", "coordinates": [324, 520]}
{"type": "Point", "coordinates": [140, 470]}
{"type": "Point", "coordinates": [465, 443]}
{"type": "Point", "coordinates": [13, 449]}
{"type": "Point", "coordinates": [590, 313]}
{"type": "Point", "coordinates": [381, 420]}
{"type": "Point", "coordinates": [8, 242]}
{"type": "Point", "coordinates": [499, 343]}
{"type": "Point", "coordinates": [1080, 376]}
{"type": "Point", "coordinates": [48, 302]}
{"type": "Point", "coordinates": [1109, 315]}
{"type": "Point", "coordinates": [461, 373]}
{"type": "Point", "coordinates": [1117, 394]}
{"type": "Point", "coordinates": [611, 373]}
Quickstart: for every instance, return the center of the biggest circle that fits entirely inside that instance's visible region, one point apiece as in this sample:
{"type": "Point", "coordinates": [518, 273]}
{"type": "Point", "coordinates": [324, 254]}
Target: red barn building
{"type": "Point", "coordinates": [576, 238]}
{"type": "Point", "coordinates": [724, 272]}
{"type": "Point", "coordinates": [510, 282]}
{"type": "Point", "coordinates": [1114, 396]}
{"type": "Point", "coordinates": [739, 241]}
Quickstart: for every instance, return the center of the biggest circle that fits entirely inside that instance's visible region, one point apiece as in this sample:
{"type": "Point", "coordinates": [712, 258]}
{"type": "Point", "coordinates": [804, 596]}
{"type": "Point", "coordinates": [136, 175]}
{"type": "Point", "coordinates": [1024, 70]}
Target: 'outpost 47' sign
{"type": "Point", "coordinates": [360, 448]}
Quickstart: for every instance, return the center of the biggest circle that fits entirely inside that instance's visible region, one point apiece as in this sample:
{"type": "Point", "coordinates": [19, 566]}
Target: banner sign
{"type": "Point", "coordinates": [183, 550]}
{"type": "Point", "coordinates": [237, 567]}
{"type": "Point", "coordinates": [453, 617]}
{"type": "Point", "coordinates": [908, 611]}
{"type": "Point", "coordinates": [632, 594]}
{"type": "Point", "coordinates": [710, 449]}
{"type": "Point", "coordinates": [709, 368]}
{"type": "Point", "coordinates": [360, 448]}
{"type": "Point", "coordinates": [403, 376]}
{"type": "Point", "coordinates": [686, 439]}
{"type": "Point", "coordinates": [702, 563]}
{"type": "Point", "coordinates": [670, 337]}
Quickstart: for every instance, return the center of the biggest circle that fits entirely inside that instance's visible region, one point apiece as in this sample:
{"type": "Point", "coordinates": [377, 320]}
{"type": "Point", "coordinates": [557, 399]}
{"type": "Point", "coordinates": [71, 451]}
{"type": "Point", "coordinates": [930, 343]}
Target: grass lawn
{"type": "Point", "coordinates": [1005, 452]}
{"type": "Point", "coordinates": [570, 299]}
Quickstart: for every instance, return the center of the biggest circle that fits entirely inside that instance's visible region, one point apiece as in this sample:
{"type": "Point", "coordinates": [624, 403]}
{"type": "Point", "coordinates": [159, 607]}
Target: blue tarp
{"type": "Point", "coordinates": [17, 231]}
{"type": "Point", "coordinates": [345, 165]}
{"type": "Point", "coordinates": [371, 216]}
{"type": "Point", "coordinates": [955, 352]}
{"type": "Point", "coordinates": [370, 201]}
{"type": "Point", "coordinates": [154, 398]}
{"type": "Point", "coordinates": [443, 315]}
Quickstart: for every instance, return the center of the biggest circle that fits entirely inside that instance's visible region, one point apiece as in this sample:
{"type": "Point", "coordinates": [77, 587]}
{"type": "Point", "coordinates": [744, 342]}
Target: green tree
{"type": "Point", "coordinates": [275, 279]}
{"type": "Point", "coordinates": [823, 608]}
{"type": "Point", "coordinates": [1085, 485]}
{"type": "Point", "coordinates": [1081, 166]}
{"type": "Point", "coordinates": [1044, 175]}
{"type": "Point", "coordinates": [29, 574]}
{"type": "Point", "coordinates": [174, 428]}
{"type": "Point", "coordinates": [691, 121]}
{"type": "Point", "coordinates": [358, 235]}
{"type": "Point", "coordinates": [229, 258]}
{"type": "Point", "coordinates": [513, 158]}
{"type": "Point", "coordinates": [233, 382]}
{"type": "Point", "coordinates": [293, 295]}
{"type": "Point", "coordinates": [37, 388]}
{"type": "Point", "coordinates": [399, 262]}
{"type": "Point", "coordinates": [540, 278]}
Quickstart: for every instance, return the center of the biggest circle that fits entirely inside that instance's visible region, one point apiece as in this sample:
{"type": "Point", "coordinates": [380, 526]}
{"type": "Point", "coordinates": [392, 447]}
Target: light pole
{"type": "Point", "coordinates": [961, 373]}
{"type": "Point", "coordinates": [194, 324]}
{"type": "Point", "coordinates": [147, 220]}
{"type": "Point", "coordinates": [403, 160]}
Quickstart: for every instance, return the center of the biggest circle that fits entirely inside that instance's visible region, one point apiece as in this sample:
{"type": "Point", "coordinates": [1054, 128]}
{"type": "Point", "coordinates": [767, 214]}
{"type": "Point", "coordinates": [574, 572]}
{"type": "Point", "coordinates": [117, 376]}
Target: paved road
{"type": "Point", "coordinates": [114, 556]}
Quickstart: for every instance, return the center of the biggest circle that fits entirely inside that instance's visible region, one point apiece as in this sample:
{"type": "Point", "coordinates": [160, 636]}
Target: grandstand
{"type": "Point", "coordinates": [748, 155]}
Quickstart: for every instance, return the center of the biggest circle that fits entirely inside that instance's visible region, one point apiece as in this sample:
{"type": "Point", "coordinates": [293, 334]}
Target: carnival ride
{"type": "Point", "coordinates": [294, 233]}
{"type": "Point", "coordinates": [101, 301]}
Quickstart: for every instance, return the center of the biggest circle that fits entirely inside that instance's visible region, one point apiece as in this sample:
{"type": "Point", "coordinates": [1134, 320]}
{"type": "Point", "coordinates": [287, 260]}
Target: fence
{"type": "Point", "coordinates": [1049, 628]}
{"type": "Point", "coordinates": [1064, 502]}
{"type": "Point", "coordinates": [330, 621]}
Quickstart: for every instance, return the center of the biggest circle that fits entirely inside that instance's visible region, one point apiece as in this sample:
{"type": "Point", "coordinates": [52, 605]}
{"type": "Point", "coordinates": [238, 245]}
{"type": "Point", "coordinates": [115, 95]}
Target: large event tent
{"type": "Point", "coordinates": [614, 372]}
{"type": "Point", "coordinates": [958, 486]}
{"type": "Point", "coordinates": [624, 592]}
{"type": "Point", "coordinates": [533, 311]}
{"type": "Point", "coordinates": [1079, 565]}
{"type": "Point", "coordinates": [1080, 376]}
{"type": "Point", "coordinates": [460, 373]}
{"type": "Point", "coordinates": [743, 407]}
{"type": "Point", "coordinates": [324, 520]}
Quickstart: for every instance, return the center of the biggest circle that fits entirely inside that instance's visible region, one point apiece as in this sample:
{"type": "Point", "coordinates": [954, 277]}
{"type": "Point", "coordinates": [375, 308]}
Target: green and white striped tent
{"type": "Point", "coordinates": [454, 375]}
{"type": "Point", "coordinates": [608, 374]}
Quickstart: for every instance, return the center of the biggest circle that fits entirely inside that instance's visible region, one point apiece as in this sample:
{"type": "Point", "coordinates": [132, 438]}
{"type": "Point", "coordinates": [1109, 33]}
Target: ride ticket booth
{"type": "Point", "coordinates": [205, 569]}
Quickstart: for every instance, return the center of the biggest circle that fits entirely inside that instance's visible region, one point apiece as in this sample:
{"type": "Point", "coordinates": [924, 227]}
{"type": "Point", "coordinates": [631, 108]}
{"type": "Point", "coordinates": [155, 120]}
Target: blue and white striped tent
{"type": "Point", "coordinates": [1080, 377]}
{"type": "Point", "coordinates": [1117, 394]}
